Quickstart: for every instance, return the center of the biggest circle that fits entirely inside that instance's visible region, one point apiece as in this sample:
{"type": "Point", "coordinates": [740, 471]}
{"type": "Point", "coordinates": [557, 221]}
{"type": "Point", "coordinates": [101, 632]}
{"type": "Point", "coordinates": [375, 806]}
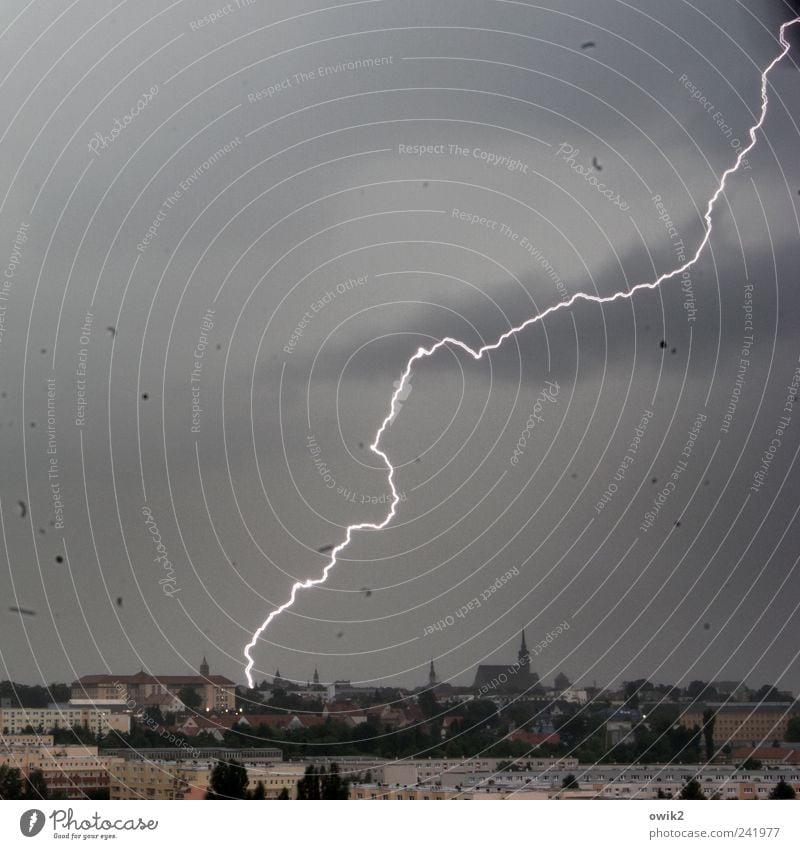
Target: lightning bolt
{"type": "Point", "coordinates": [477, 354]}
{"type": "Point", "coordinates": [33, 819]}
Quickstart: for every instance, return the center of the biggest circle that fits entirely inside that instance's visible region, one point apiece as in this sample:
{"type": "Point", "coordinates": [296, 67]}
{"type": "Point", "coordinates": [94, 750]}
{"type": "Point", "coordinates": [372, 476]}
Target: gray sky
{"type": "Point", "coordinates": [242, 180]}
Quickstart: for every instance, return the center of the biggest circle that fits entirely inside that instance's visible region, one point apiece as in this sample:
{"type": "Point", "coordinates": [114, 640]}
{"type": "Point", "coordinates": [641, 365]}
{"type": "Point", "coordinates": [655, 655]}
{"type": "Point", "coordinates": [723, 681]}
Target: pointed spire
{"type": "Point", "coordinates": [432, 675]}
{"type": "Point", "coordinates": [316, 676]}
{"type": "Point", "coordinates": [523, 658]}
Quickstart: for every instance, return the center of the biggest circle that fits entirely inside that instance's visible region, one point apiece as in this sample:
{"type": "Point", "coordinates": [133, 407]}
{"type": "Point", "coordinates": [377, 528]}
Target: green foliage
{"type": "Point", "coordinates": [782, 790]}
{"type": "Point", "coordinates": [15, 785]}
{"type": "Point", "coordinates": [709, 719]}
{"type": "Point", "coordinates": [793, 729]}
{"type": "Point", "coordinates": [570, 782]}
{"type": "Point", "coordinates": [190, 697]}
{"type": "Point", "coordinates": [692, 790]}
{"type": "Point", "coordinates": [36, 696]}
{"type": "Point", "coordinates": [319, 783]}
{"type": "Point", "coordinates": [228, 781]}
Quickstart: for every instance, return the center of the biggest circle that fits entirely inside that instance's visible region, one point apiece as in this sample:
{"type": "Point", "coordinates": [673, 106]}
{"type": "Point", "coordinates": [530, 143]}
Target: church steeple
{"type": "Point", "coordinates": [316, 677]}
{"type": "Point", "coordinates": [204, 670]}
{"type": "Point", "coordinates": [523, 657]}
{"type": "Point", "coordinates": [432, 681]}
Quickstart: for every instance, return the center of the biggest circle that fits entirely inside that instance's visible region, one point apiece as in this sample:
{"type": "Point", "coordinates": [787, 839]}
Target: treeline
{"type": "Point", "coordinates": [35, 696]}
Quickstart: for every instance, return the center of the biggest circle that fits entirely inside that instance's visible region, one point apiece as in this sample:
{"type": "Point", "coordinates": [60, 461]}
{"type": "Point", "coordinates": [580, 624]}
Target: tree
{"type": "Point", "coordinates": [10, 782]}
{"type": "Point", "coordinates": [309, 785]}
{"type": "Point", "coordinates": [751, 764]}
{"type": "Point", "coordinates": [228, 781]}
{"type": "Point", "coordinates": [570, 783]}
{"type": "Point", "coordinates": [793, 729]}
{"type": "Point", "coordinates": [260, 791]}
{"type": "Point", "coordinates": [767, 693]}
{"type": "Point", "coordinates": [782, 790]}
{"type": "Point", "coordinates": [333, 785]}
{"type": "Point", "coordinates": [709, 718]}
{"type": "Point", "coordinates": [561, 682]}
{"type": "Point", "coordinates": [692, 790]}
{"type": "Point", "coordinates": [35, 786]}
{"type": "Point", "coordinates": [284, 794]}
{"type": "Point", "coordinates": [428, 704]}
{"type": "Point", "coordinates": [189, 696]}
{"type": "Point", "coordinates": [153, 712]}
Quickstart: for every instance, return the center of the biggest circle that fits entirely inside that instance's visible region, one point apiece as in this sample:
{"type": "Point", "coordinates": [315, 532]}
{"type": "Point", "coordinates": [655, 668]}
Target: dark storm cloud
{"type": "Point", "coordinates": [239, 518]}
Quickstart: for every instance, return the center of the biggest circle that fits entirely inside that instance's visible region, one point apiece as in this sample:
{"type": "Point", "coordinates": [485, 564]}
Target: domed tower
{"type": "Point", "coordinates": [204, 668]}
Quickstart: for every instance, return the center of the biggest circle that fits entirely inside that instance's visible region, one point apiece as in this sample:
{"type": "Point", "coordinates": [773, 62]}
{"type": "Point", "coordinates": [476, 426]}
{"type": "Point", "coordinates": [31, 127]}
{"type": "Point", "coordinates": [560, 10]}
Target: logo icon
{"type": "Point", "coordinates": [31, 822]}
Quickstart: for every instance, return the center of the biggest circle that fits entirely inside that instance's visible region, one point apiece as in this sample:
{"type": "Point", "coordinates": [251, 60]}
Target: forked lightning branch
{"type": "Point", "coordinates": [422, 353]}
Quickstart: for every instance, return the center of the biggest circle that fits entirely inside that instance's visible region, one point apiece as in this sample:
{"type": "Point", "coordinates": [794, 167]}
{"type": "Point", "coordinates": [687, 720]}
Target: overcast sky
{"type": "Point", "coordinates": [186, 178]}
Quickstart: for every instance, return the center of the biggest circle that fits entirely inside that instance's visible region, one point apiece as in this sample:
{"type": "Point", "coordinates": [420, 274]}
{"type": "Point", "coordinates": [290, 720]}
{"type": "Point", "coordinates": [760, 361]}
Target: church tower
{"type": "Point", "coordinates": [523, 658]}
{"type": "Point", "coordinates": [432, 682]}
{"type": "Point", "coordinates": [204, 668]}
{"type": "Point", "coordinates": [316, 677]}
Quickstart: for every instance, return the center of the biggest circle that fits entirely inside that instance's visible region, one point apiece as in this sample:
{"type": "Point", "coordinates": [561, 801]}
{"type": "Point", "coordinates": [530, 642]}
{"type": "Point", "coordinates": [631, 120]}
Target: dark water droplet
{"type": "Point", "coordinates": [654, 480]}
{"type": "Point", "coordinates": [59, 558]}
{"type": "Point", "coordinates": [145, 396]}
{"type": "Point", "coordinates": [706, 626]}
{"type": "Point", "coordinates": [662, 344]}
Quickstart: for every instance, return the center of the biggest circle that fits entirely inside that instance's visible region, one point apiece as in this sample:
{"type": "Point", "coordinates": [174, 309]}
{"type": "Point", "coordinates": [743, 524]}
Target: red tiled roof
{"type": "Point", "coordinates": [784, 754]}
{"type": "Point", "coordinates": [531, 739]}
